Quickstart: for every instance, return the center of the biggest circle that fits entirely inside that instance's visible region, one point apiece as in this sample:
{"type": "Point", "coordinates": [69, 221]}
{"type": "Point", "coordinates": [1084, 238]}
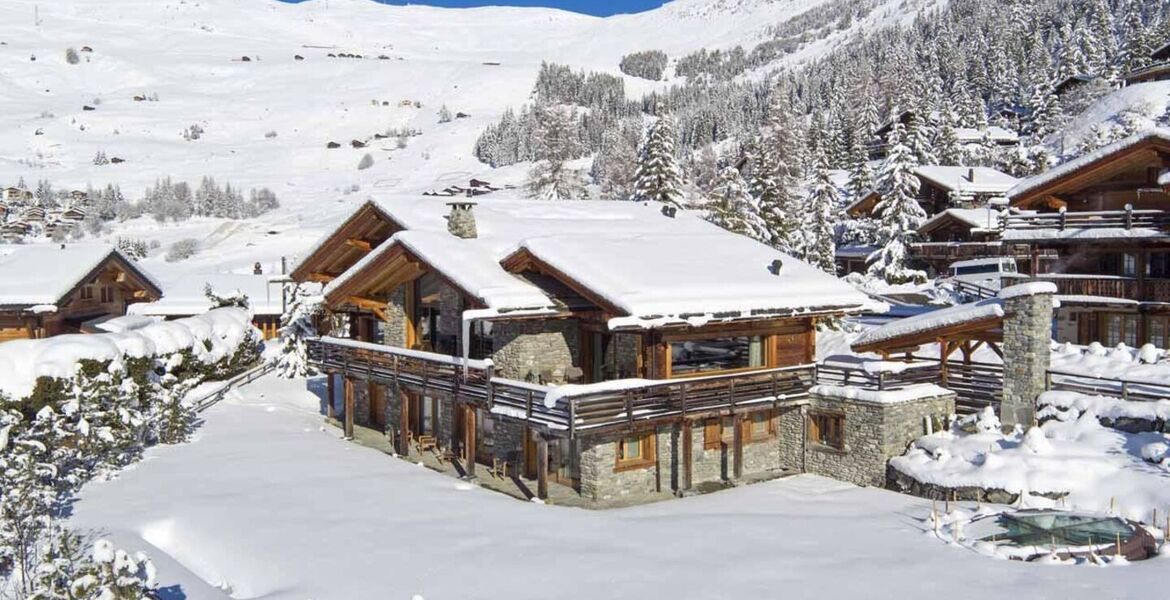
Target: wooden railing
{"type": "Point", "coordinates": [612, 405]}
{"type": "Point", "coordinates": [1112, 219]}
{"type": "Point", "coordinates": [973, 291]}
{"type": "Point", "coordinates": [1142, 391]}
{"type": "Point", "coordinates": [1109, 286]}
{"type": "Point", "coordinates": [925, 372]}
{"type": "Point", "coordinates": [967, 250]}
{"type": "Point", "coordinates": [976, 385]}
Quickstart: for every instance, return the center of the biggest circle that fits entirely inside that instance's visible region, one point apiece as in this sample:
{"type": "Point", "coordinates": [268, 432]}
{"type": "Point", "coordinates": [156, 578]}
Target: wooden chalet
{"type": "Point", "coordinates": [942, 187]}
{"type": "Point", "coordinates": [611, 347]}
{"type": "Point", "coordinates": [1104, 216]}
{"type": "Point", "coordinates": [1157, 70]}
{"type": "Point", "coordinates": [56, 289]}
{"type": "Point", "coordinates": [186, 296]}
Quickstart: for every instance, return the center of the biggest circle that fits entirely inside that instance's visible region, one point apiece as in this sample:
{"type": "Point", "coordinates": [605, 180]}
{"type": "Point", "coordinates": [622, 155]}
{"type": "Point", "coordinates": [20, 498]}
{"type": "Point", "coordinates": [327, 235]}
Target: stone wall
{"type": "Point", "coordinates": [875, 432]}
{"type": "Point", "coordinates": [451, 315]}
{"type": "Point", "coordinates": [394, 328]}
{"type": "Point", "coordinates": [600, 480]}
{"type": "Point", "coordinates": [533, 346]}
{"type": "Point", "coordinates": [1027, 335]}
{"type": "Point", "coordinates": [623, 353]}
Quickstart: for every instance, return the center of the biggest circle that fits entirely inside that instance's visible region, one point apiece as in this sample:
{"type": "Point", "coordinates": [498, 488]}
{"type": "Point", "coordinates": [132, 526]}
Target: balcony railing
{"type": "Point", "coordinates": [1023, 226]}
{"type": "Point", "coordinates": [1106, 286]}
{"type": "Point", "coordinates": [610, 405]}
{"type": "Point", "coordinates": [969, 250]}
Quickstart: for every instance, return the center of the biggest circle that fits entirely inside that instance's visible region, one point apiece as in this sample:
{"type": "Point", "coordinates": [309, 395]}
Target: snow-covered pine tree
{"type": "Point", "coordinates": [950, 151]}
{"type": "Point", "coordinates": [297, 324]}
{"type": "Point", "coordinates": [173, 420]}
{"type": "Point", "coordinates": [861, 178]}
{"type": "Point", "coordinates": [733, 208]}
{"type": "Point", "coordinates": [919, 138]}
{"type": "Point", "coordinates": [898, 214]}
{"type": "Point", "coordinates": [821, 212]}
{"type": "Point", "coordinates": [659, 178]}
{"type": "Point", "coordinates": [557, 142]}
{"type": "Point", "coordinates": [1047, 115]}
{"type": "Point", "coordinates": [615, 166]}
{"type": "Point", "coordinates": [236, 299]}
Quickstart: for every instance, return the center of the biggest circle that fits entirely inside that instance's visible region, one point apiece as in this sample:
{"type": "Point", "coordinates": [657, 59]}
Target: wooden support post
{"type": "Point", "coordinates": [469, 443]}
{"type": "Point", "coordinates": [688, 454]}
{"type": "Point", "coordinates": [403, 424]}
{"type": "Point", "coordinates": [330, 395]}
{"type": "Point", "coordinates": [737, 442]}
{"type": "Point", "coordinates": [435, 417]}
{"type": "Point", "coordinates": [349, 408]}
{"type": "Point", "coordinates": [541, 466]}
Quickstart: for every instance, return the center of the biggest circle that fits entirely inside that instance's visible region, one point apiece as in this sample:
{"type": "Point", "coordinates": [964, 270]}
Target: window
{"type": "Point", "coordinates": [635, 452]}
{"type": "Point", "coordinates": [87, 292]}
{"type": "Point", "coordinates": [107, 294]}
{"type": "Point", "coordinates": [1158, 330]}
{"type": "Point", "coordinates": [688, 357]}
{"type": "Point", "coordinates": [827, 429]}
{"type": "Point", "coordinates": [1119, 327]}
{"type": "Point", "coordinates": [1124, 265]}
{"type": "Point", "coordinates": [755, 427]}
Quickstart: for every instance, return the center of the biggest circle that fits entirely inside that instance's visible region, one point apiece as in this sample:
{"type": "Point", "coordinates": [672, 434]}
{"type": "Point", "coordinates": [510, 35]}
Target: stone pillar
{"type": "Point", "coordinates": [1027, 337]}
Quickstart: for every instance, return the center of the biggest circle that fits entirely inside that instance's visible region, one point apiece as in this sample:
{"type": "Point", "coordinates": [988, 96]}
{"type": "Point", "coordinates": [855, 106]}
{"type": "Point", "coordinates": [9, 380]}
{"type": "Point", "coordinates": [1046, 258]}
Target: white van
{"type": "Point", "coordinates": [983, 268]}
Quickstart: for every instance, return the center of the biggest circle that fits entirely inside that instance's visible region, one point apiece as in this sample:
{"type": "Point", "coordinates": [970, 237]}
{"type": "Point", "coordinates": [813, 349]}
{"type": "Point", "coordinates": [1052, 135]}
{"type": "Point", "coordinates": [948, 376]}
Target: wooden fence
{"type": "Point", "coordinates": [1141, 391]}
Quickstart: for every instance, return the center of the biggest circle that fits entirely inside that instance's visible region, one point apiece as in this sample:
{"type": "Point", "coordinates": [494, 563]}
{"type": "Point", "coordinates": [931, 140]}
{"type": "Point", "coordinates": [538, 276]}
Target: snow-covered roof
{"type": "Point", "coordinates": [968, 180]}
{"type": "Point", "coordinates": [977, 218]}
{"type": "Point", "coordinates": [1085, 160]}
{"type": "Point", "coordinates": [656, 269]}
{"type": "Point", "coordinates": [184, 295]}
{"type": "Point", "coordinates": [1164, 178]}
{"type": "Point", "coordinates": [999, 135]}
{"type": "Point", "coordinates": [942, 318]}
{"type": "Point", "coordinates": [38, 274]}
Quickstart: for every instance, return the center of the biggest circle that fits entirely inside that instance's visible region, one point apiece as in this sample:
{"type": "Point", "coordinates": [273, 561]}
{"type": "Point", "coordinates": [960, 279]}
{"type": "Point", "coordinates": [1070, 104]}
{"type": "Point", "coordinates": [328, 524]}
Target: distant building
{"type": "Point", "coordinates": [185, 296]}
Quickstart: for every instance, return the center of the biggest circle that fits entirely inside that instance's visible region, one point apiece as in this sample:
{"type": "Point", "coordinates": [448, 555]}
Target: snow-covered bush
{"type": "Point", "coordinates": [133, 248]}
{"type": "Point", "coordinates": [297, 325]}
{"type": "Point", "coordinates": [182, 250]}
{"type": "Point", "coordinates": [67, 570]}
{"type": "Point", "coordinates": [71, 56]}
{"type": "Point", "coordinates": [366, 162]}
{"type": "Point", "coordinates": [444, 114]}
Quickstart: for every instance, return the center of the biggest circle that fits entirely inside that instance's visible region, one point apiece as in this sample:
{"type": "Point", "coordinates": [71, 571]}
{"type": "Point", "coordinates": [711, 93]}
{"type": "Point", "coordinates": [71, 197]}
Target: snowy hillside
{"type": "Point", "coordinates": [267, 120]}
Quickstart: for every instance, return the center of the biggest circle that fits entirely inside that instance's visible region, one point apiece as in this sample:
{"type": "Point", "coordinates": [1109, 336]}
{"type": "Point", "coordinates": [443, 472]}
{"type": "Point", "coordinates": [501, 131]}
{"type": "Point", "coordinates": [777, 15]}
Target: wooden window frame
{"type": "Point", "coordinates": [814, 428]}
{"type": "Point", "coordinates": [86, 292]}
{"type": "Point", "coordinates": [647, 456]}
{"type": "Point", "coordinates": [107, 294]}
{"type": "Point", "coordinates": [766, 343]}
{"type": "Point", "coordinates": [715, 433]}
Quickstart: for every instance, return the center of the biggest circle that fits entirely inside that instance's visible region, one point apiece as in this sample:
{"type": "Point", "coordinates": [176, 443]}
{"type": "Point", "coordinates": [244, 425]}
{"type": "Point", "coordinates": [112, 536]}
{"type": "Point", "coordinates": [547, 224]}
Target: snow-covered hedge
{"type": "Point", "coordinates": [214, 345]}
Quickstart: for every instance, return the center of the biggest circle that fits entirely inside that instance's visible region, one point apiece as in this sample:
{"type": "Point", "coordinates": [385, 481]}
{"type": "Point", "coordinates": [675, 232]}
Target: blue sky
{"type": "Point", "coordinates": [591, 7]}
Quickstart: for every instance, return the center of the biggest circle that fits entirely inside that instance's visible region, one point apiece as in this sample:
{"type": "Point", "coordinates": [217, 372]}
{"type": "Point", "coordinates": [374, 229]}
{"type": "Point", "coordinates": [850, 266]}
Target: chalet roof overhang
{"type": "Point", "coordinates": [365, 229]}
{"type": "Point", "coordinates": [390, 269]}
{"type": "Point", "coordinates": [863, 206]}
{"type": "Point", "coordinates": [986, 329]}
{"type": "Point", "coordinates": [128, 273]}
{"type": "Point", "coordinates": [523, 260]}
{"type": "Point", "coordinates": [1151, 148]}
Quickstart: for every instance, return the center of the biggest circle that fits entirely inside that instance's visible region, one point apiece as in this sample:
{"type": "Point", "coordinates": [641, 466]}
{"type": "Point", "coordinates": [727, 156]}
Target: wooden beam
{"type": "Point", "coordinates": [469, 437]}
{"type": "Point", "coordinates": [541, 467]}
{"type": "Point", "coordinates": [362, 245]}
{"type": "Point", "coordinates": [737, 445]}
{"type": "Point", "coordinates": [321, 277]}
{"type": "Point", "coordinates": [330, 394]}
{"type": "Point", "coordinates": [688, 454]}
{"type": "Point", "coordinates": [366, 303]}
{"type": "Point", "coordinates": [404, 401]}
{"type": "Point", "coordinates": [349, 408]}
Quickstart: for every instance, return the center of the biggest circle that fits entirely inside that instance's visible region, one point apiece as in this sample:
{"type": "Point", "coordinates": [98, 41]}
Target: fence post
{"type": "Point", "coordinates": [1128, 216]}
{"type": "Point", "coordinates": [881, 380]}
{"type": "Point", "coordinates": [489, 373]}
{"type": "Point", "coordinates": [1124, 390]}
{"type": "Point", "coordinates": [1063, 216]}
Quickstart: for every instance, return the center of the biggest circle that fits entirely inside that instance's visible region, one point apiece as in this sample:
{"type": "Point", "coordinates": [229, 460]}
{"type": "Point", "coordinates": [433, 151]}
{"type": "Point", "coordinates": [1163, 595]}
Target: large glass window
{"type": "Point", "coordinates": [1157, 330]}
{"type": "Point", "coordinates": [1118, 328]}
{"type": "Point", "coordinates": [716, 354]}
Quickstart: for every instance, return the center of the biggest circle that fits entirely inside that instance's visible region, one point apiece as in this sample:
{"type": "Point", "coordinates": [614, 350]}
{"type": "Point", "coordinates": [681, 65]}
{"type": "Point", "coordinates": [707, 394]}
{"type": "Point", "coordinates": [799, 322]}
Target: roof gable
{"type": "Point", "coordinates": [364, 229]}
{"type": "Point", "coordinates": [50, 273]}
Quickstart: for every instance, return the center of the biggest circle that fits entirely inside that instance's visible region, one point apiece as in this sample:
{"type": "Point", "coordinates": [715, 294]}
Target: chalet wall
{"type": "Point", "coordinates": [599, 479]}
{"type": "Point", "coordinates": [533, 346]}
{"type": "Point", "coordinates": [875, 432]}
{"type": "Point", "coordinates": [394, 328]}
{"type": "Point", "coordinates": [450, 313]}
{"type": "Point", "coordinates": [625, 347]}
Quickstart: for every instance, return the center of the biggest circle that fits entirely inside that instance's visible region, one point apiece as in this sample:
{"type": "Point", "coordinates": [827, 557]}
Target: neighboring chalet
{"type": "Point", "coordinates": [1157, 70]}
{"type": "Point", "coordinates": [185, 296]}
{"type": "Point", "coordinates": [1105, 216]}
{"type": "Point", "coordinates": [965, 135]}
{"type": "Point", "coordinates": [617, 348]}
{"type": "Point", "coordinates": [51, 289]}
{"type": "Point", "coordinates": [940, 188]}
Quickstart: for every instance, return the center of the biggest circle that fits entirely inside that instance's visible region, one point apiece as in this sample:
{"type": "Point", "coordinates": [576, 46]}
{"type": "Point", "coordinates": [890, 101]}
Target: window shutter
{"type": "Point", "coordinates": [712, 434]}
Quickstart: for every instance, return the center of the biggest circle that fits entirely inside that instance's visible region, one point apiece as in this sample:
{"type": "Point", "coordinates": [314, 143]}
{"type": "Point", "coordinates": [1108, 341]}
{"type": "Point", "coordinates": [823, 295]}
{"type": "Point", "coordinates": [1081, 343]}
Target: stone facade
{"type": "Point", "coordinates": [1027, 333]}
{"type": "Point", "coordinates": [461, 220]}
{"type": "Point", "coordinates": [393, 329]}
{"type": "Point", "coordinates": [623, 352]}
{"type": "Point", "coordinates": [524, 348]}
{"type": "Point", "coordinates": [874, 432]}
{"type": "Point", "coordinates": [600, 480]}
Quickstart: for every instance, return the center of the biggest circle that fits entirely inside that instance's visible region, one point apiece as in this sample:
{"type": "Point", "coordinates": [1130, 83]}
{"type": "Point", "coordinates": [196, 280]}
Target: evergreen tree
{"type": "Point", "coordinates": [898, 214]}
{"type": "Point", "coordinates": [658, 178]}
{"type": "Point", "coordinates": [297, 324]}
{"type": "Point", "coordinates": [615, 166]}
{"type": "Point", "coordinates": [733, 208]}
{"type": "Point", "coordinates": [821, 211]}
{"type": "Point", "coordinates": [860, 174]}
{"type": "Point", "coordinates": [557, 143]}
{"type": "Point", "coordinates": [950, 151]}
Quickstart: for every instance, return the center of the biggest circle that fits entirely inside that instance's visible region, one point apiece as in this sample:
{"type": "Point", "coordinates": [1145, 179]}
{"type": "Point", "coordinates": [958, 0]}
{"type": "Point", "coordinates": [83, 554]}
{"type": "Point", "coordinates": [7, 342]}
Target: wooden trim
{"type": "Point", "coordinates": [1099, 169]}
{"type": "Point", "coordinates": [647, 453]}
{"type": "Point", "coordinates": [524, 260]}
{"type": "Point", "coordinates": [313, 264]}
{"type": "Point", "coordinates": [410, 309]}
{"type": "Point", "coordinates": [360, 244]}
{"type": "Point", "coordinates": [916, 339]}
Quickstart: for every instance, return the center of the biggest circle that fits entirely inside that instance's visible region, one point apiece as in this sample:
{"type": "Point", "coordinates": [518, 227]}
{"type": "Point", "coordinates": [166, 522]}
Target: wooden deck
{"type": "Point", "coordinates": [1157, 222]}
{"type": "Point", "coordinates": [617, 405]}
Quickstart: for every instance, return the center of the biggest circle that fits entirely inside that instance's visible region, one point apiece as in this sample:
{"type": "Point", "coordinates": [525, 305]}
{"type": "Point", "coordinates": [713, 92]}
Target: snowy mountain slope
{"type": "Point", "coordinates": [267, 121]}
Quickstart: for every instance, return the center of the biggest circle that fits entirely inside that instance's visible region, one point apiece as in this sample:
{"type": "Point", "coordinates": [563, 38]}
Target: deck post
{"type": "Point", "coordinates": [349, 408]}
{"type": "Point", "coordinates": [737, 442]}
{"type": "Point", "coordinates": [330, 394]}
{"type": "Point", "coordinates": [541, 466]}
{"type": "Point", "coordinates": [469, 440]}
{"type": "Point", "coordinates": [403, 423]}
{"type": "Point", "coordinates": [688, 454]}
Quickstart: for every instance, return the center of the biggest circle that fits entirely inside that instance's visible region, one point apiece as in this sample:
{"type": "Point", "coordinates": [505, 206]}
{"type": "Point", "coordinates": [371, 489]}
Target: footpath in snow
{"type": "Point", "coordinates": [268, 503]}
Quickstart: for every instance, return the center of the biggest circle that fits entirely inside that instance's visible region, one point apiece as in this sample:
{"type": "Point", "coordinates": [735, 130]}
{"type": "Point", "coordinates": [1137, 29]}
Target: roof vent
{"type": "Point", "coordinates": [669, 211]}
{"type": "Point", "coordinates": [461, 221]}
{"type": "Point", "coordinates": [775, 267]}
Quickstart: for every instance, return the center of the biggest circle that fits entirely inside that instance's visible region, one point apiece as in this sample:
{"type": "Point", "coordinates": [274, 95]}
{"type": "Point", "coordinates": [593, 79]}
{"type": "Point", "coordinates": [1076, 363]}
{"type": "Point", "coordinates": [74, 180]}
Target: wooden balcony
{"type": "Point", "coordinates": [952, 251]}
{"type": "Point", "coordinates": [1105, 286]}
{"type": "Point", "coordinates": [608, 406]}
{"type": "Point", "coordinates": [1127, 223]}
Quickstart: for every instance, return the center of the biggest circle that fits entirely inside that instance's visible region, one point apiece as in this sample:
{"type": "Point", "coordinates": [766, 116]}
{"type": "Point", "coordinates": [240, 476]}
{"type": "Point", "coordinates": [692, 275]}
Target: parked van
{"type": "Point", "coordinates": [982, 268]}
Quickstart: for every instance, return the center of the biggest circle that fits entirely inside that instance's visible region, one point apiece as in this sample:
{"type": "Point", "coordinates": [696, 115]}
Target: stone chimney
{"type": "Point", "coordinates": [461, 221]}
{"type": "Point", "coordinates": [1027, 337]}
{"type": "Point", "coordinates": [971, 174]}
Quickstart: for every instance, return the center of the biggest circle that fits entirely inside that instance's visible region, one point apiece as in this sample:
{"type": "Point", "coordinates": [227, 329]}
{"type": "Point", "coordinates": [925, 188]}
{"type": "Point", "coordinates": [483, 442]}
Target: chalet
{"type": "Point", "coordinates": [14, 231]}
{"type": "Point", "coordinates": [1157, 70]}
{"type": "Point", "coordinates": [53, 289]}
{"type": "Point", "coordinates": [614, 347]}
{"type": "Point", "coordinates": [1104, 216]}
{"type": "Point", "coordinates": [13, 194]}
{"type": "Point", "coordinates": [185, 296]}
{"type": "Point", "coordinates": [33, 214]}
{"type": "Point", "coordinates": [941, 187]}
{"type": "Point", "coordinates": [966, 135]}
{"type": "Point", "coordinates": [72, 214]}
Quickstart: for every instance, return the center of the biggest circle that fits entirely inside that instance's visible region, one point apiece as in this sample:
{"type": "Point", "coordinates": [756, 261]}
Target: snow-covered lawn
{"type": "Point", "coordinates": [267, 503]}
